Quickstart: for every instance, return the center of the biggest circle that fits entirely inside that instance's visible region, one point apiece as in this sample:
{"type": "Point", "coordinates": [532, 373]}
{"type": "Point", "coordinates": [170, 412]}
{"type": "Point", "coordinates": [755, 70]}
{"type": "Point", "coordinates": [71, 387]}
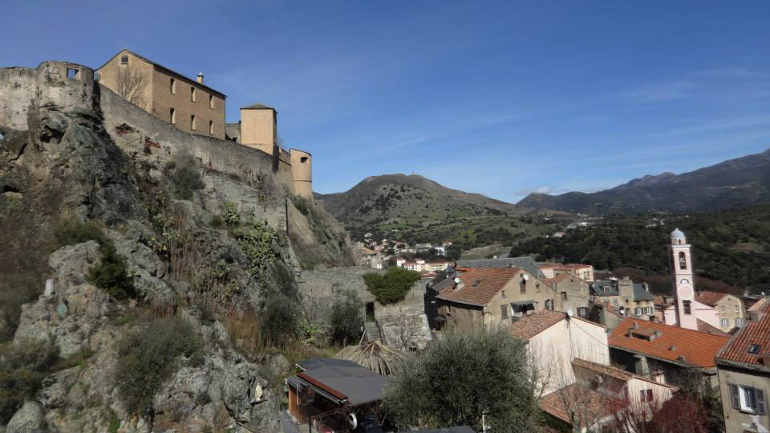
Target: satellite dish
{"type": "Point", "coordinates": [526, 277]}
{"type": "Point", "coordinates": [457, 281]}
{"type": "Point", "coordinates": [353, 421]}
{"type": "Point", "coordinates": [570, 313]}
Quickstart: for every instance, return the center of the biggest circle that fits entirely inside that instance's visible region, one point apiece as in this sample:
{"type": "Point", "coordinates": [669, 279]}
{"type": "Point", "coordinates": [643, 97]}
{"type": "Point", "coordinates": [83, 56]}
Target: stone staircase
{"type": "Point", "coordinates": [372, 331]}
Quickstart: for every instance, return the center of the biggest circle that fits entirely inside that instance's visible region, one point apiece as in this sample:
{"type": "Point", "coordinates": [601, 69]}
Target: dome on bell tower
{"type": "Point", "coordinates": [677, 237]}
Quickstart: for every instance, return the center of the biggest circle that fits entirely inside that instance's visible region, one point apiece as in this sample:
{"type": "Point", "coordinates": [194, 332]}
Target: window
{"type": "Point", "coordinates": [172, 86]}
{"type": "Point", "coordinates": [754, 349]}
{"type": "Point", "coordinates": [747, 399]}
{"type": "Point", "coordinates": [646, 394]}
{"type": "Point", "coordinates": [124, 60]}
{"type": "Point", "coordinates": [549, 304]}
{"type": "Point", "coordinates": [563, 296]}
{"type": "Point", "coordinates": [638, 311]}
{"type": "Point", "coordinates": [687, 308]}
{"type": "Point", "coordinates": [72, 73]}
{"type": "Point", "coordinates": [211, 127]}
{"type": "Point", "coordinates": [583, 312]}
{"type": "Point", "coordinates": [503, 293]}
{"type": "Point", "coordinates": [192, 122]}
{"type": "Point", "coordinates": [303, 159]}
{"type": "Point", "coordinates": [725, 323]}
{"type": "Point", "coordinates": [651, 310]}
{"type": "Point", "coordinates": [192, 94]}
{"type": "Point", "coordinates": [682, 260]}
{"type": "Point", "coordinates": [723, 308]}
{"type": "Point", "coordinates": [504, 311]}
{"type": "Point", "coordinates": [736, 308]}
{"type": "Point", "coordinates": [739, 321]}
{"type": "Point", "coordinates": [211, 101]}
{"type": "Point", "coordinates": [172, 116]}
{"type": "Point", "coordinates": [523, 286]}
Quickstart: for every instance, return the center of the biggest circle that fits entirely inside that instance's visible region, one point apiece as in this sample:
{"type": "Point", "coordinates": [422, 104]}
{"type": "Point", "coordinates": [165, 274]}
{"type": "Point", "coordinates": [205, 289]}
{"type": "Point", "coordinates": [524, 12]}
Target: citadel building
{"type": "Point", "coordinates": [199, 109]}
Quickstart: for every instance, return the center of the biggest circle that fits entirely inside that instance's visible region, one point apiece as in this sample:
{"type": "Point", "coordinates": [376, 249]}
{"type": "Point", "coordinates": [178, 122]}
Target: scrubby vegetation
{"type": "Point", "coordinates": [391, 287]}
{"type": "Point", "coordinates": [256, 240]}
{"type": "Point", "coordinates": [22, 369]}
{"type": "Point", "coordinates": [184, 172]}
{"type": "Point", "coordinates": [731, 245]}
{"type": "Point", "coordinates": [111, 274]}
{"type": "Point", "coordinates": [280, 320]}
{"type": "Point", "coordinates": [17, 291]}
{"type": "Point", "coordinates": [149, 355]}
{"type": "Point", "coordinates": [457, 378]}
{"type": "Point", "coordinates": [345, 319]}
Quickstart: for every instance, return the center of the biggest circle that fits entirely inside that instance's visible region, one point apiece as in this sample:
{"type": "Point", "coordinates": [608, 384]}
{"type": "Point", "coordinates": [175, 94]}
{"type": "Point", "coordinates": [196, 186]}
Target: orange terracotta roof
{"type": "Point", "coordinates": [705, 327]}
{"type": "Point", "coordinates": [709, 298]}
{"type": "Point", "coordinates": [480, 285]}
{"type": "Point", "coordinates": [756, 332]}
{"type": "Point", "coordinates": [529, 326]}
{"type": "Point", "coordinates": [694, 347]}
{"type": "Point", "coordinates": [759, 305]}
{"type": "Point", "coordinates": [582, 399]}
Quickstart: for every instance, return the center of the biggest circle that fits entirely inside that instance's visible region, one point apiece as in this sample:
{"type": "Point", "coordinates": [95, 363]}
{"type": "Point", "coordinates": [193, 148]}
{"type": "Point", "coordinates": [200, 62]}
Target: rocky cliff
{"type": "Point", "coordinates": [146, 233]}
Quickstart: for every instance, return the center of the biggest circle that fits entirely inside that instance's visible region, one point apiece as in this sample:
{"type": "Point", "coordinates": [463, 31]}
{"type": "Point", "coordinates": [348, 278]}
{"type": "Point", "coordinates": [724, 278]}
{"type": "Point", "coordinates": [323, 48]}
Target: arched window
{"type": "Point", "coordinates": [682, 260]}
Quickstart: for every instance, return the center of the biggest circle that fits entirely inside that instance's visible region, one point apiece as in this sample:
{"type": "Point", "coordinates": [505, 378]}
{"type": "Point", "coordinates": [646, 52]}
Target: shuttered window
{"type": "Point", "coordinates": [504, 311]}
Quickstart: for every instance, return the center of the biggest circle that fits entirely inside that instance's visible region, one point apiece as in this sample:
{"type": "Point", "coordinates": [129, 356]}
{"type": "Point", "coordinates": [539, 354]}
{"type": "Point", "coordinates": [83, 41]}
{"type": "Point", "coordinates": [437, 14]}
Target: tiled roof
{"type": "Point", "coordinates": [705, 327]}
{"type": "Point", "coordinates": [756, 332]}
{"type": "Point", "coordinates": [584, 400]}
{"type": "Point", "coordinates": [529, 326]}
{"type": "Point", "coordinates": [524, 262]}
{"type": "Point", "coordinates": [694, 347]}
{"type": "Point", "coordinates": [709, 298]}
{"type": "Point", "coordinates": [479, 286]}
{"type": "Point", "coordinates": [759, 305]}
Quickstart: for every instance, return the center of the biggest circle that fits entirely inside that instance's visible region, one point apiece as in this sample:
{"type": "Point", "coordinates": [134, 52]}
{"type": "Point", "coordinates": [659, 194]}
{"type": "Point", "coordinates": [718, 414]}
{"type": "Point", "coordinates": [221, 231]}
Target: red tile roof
{"type": "Point", "coordinates": [755, 332]}
{"type": "Point", "coordinates": [529, 326]}
{"type": "Point", "coordinates": [695, 347]}
{"type": "Point", "coordinates": [705, 327]}
{"type": "Point", "coordinates": [480, 285]}
{"type": "Point", "coordinates": [581, 400]}
{"type": "Point", "coordinates": [759, 305]}
{"type": "Point", "coordinates": [709, 298]}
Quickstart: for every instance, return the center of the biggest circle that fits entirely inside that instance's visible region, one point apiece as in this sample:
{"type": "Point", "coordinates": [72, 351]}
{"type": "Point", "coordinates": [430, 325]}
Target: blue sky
{"type": "Point", "coordinates": [501, 98]}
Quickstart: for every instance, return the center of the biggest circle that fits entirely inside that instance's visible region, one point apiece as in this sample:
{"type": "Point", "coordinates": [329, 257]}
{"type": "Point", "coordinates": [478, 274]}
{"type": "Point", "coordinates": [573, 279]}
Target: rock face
{"type": "Point", "coordinates": [73, 151]}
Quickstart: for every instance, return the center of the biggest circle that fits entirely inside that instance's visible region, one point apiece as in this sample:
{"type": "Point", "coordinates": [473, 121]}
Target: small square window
{"type": "Point", "coordinates": [687, 307]}
{"type": "Point", "coordinates": [754, 349]}
{"type": "Point", "coordinates": [72, 73]}
{"type": "Point", "coordinates": [124, 59]}
{"type": "Point", "coordinates": [503, 293]}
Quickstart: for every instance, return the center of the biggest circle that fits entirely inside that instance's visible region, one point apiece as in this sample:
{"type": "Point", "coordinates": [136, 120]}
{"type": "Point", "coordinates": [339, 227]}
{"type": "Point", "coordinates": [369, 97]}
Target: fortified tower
{"type": "Point", "coordinates": [259, 128]}
{"type": "Point", "coordinates": [301, 171]}
{"type": "Point", "coordinates": [682, 274]}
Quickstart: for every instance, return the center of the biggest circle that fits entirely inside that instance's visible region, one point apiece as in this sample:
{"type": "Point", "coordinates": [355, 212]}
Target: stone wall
{"type": "Point", "coordinates": [17, 88]}
{"type": "Point", "coordinates": [320, 288]}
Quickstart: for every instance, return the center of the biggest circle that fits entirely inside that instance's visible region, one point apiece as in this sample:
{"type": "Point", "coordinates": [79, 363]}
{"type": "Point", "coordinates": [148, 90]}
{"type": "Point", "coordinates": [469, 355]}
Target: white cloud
{"type": "Point", "coordinates": [660, 92]}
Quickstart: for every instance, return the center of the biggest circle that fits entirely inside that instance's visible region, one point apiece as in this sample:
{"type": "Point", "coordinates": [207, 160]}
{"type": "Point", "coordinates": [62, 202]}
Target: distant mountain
{"type": "Point", "coordinates": [738, 182]}
{"type": "Point", "coordinates": [411, 198]}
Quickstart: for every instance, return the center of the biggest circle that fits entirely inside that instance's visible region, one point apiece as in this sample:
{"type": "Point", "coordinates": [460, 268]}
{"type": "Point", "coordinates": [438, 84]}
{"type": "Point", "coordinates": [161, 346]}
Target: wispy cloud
{"type": "Point", "coordinates": [734, 72]}
{"type": "Point", "coordinates": [661, 92]}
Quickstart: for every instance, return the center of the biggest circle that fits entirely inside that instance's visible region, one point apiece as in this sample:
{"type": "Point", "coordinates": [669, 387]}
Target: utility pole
{"type": "Point", "coordinates": [484, 427]}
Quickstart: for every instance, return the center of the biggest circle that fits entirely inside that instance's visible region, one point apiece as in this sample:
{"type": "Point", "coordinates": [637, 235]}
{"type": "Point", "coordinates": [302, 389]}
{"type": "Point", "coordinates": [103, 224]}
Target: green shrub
{"type": "Point", "coordinates": [22, 368]}
{"type": "Point", "coordinates": [73, 232]}
{"type": "Point", "coordinates": [391, 287]}
{"type": "Point", "coordinates": [346, 319]}
{"type": "Point", "coordinates": [15, 292]}
{"type": "Point", "coordinates": [111, 274]}
{"type": "Point", "coordinates": [230, 214]}
{"type": "Point", "coordinates": [216, 221]}
{"type": "Point", "coordinates": [185, 176]}
{"type": "Point", "coordinates": [256, 241]}
{"type": "Point", "coordinates": [150, 355]}
{"type": "Point", "coordinates": [279, 320]}
{"type": "Point", "coordinates": [301, 204]}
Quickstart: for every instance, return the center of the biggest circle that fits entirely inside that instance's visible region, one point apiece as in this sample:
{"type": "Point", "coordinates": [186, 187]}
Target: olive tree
{"type": "Point", "coordinates": [461, 377]}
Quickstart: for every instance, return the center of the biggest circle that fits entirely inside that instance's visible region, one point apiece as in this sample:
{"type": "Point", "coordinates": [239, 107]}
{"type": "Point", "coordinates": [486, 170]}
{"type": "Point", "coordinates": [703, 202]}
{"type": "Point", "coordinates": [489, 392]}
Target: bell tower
{"type": "Point", "coordinates": [682, 274]}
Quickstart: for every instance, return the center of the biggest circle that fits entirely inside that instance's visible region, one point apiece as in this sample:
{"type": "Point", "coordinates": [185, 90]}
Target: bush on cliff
{"type": "Point", "coordinates": [391, 287]}
{"type": "Point", "coordinates": [22, 368]}
{"type": "Point", "coordinates": [346, 319]}
{"type": "Point", "coordinates": [150, 355]}
{"type": "Point", "coordinates": [185, 175]}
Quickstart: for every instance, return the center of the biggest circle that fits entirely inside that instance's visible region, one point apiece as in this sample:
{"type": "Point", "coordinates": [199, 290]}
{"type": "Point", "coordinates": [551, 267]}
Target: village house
{"type": "Point", "coordinates": [584, 272]}
{"type": "Point", "coordinates": [744, 376]}
{"type": "Point", "coordinates": [489, 297]}
{"type": "Point", "coordinates": [572, 293]}
{"type": "Point", "coordinates": [666, 353]}
{"type": "Point", "coordinates": [729, 308]}
{"type": "Point", "coordinates": [187, 104]}
{"type": "Point", "coordinates": [554, 340]}
{"type": "Point", "coordinates": [629, 299]}
{"type": "Point", "coordinates": [334, 394]}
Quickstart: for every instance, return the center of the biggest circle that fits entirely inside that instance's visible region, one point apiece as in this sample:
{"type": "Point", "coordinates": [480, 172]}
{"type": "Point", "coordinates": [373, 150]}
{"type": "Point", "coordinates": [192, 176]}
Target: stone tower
{"type": "Point", "coordinates": [682, 274]}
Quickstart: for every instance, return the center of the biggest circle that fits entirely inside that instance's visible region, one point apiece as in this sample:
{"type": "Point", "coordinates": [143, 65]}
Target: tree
{"type": "Point", "coordinates": [130, 85]}
{"type": "Point", "coordinates": [457, 379]}
{"type": "Point", "coordinates": [391, 287]}
{"type": "Point", "coordinates": [345, 319]}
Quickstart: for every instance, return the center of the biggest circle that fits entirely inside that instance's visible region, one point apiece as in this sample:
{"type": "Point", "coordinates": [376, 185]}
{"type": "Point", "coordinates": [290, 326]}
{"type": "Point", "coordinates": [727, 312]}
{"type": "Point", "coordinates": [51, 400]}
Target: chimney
{"type": "Point", "coordinates": [765, 359]}
{"type": "Point", "coordinates": [658, 376]}
{"type": "Point", "coordinates": [200, 77]}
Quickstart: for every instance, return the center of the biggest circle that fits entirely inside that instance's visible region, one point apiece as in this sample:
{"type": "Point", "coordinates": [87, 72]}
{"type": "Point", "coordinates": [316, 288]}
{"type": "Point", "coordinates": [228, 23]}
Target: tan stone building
{"type": "Point", "coordinates": [729, 308]}
{"type": "Point", "coordinates": [189, 104]}
{"type": "Point", "coordinates": [629, 299]}
{"type": "Point", "coordinates": [491, 297]}
{"type": "Point", "coordinates": [743, 367]}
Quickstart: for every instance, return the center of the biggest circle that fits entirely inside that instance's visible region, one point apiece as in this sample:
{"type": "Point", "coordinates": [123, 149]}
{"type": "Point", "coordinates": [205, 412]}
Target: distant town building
{"type": "Point", "coordinates": [728, 307]}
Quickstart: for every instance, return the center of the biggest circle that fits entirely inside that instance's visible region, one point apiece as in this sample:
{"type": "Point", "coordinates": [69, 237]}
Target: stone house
{"type": "Point", "coordinates": [744, 377]}
{"type": "Point", "coordinates": [667, 353]}
{"type": "Point", "coordinates": [490, 297]}
{"type": "Point", "coordinates": [188, 104]}
{"type": "Point", "coordinates": [730, 308]}
{"type": "Point", "coordinates": [628, 298]}
{"type": "Point", "coordinates": [572, 294]}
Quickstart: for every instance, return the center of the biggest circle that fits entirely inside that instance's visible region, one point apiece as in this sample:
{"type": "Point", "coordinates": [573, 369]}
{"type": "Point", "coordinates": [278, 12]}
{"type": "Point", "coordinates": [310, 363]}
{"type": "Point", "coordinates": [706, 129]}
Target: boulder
{"type": "Point", "coordinates": [29, 419]}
